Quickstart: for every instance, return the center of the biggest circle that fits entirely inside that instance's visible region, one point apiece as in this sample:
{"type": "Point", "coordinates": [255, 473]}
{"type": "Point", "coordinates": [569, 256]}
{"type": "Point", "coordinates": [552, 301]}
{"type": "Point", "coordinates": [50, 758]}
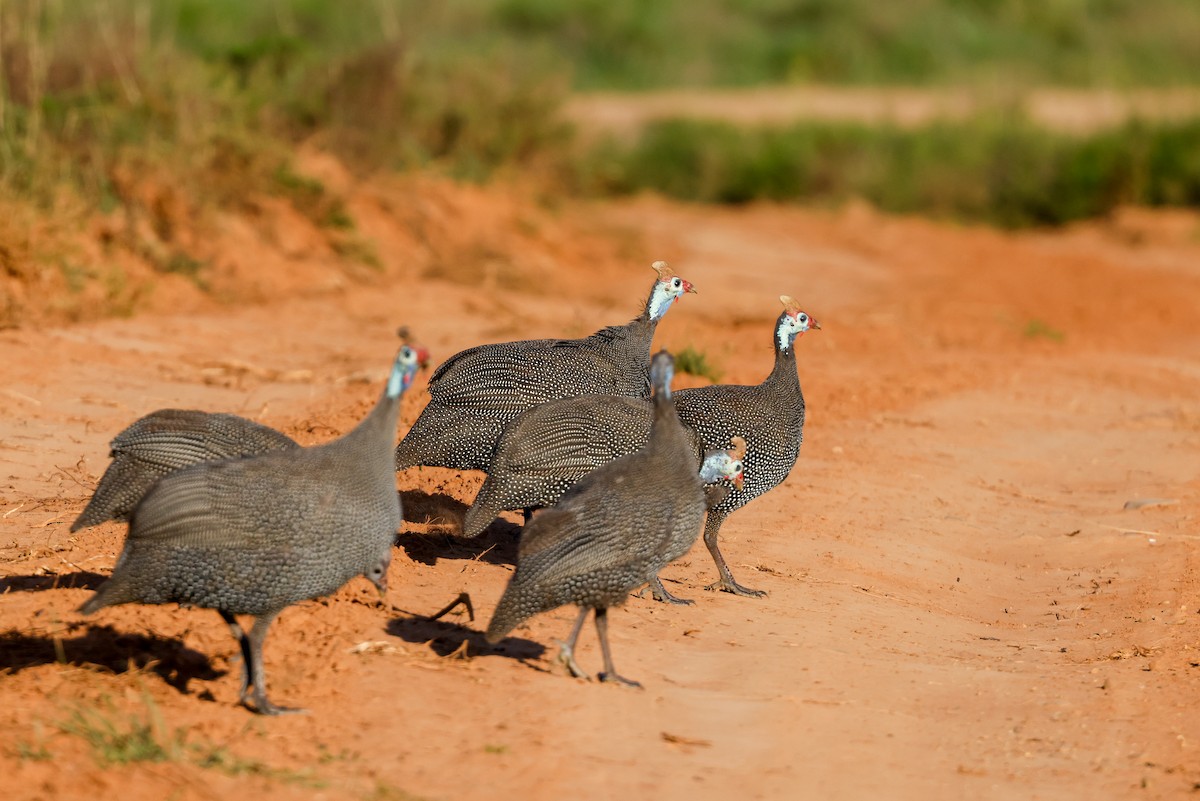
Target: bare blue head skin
{"type": "Point", "coordinates": [793, 322]}
{"type": "Point", "coordinates": [722, 464]}
{"type": "Point", "coordinates": [403, 370]}
{"type": "Point", "coordinates": [726, 464]}
{"type": "Point", "coordinates": [377, 574]}
{"type": "Point", "coordinates": [667, 290]}
{"type": "Point", "coordinates": [662, 370]}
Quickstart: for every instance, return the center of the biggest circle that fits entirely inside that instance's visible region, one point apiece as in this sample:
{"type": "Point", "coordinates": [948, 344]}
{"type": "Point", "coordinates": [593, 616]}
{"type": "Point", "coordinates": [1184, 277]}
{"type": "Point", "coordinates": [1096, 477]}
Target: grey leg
{"type": "Point", "coordinates": [659, 593]}
{"type": "Point", "coordinates": [258, 676]}
{"type": "Point", "coordinates": [712, 527]}
{"type": "Point", "coordinates": [235, 629]}
{"type": "Point", "coordinates": [610, 673]}
{"type": "Point", "coordinates": [566, 652]}
{"type": "Point", "coordinates": [463, 600]}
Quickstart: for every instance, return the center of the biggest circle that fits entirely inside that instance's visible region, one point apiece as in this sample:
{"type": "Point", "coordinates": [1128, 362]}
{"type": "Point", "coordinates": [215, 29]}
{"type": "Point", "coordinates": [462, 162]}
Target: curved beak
{"type": "Point", "coordinates": [382, 585]}
{"type": "Point", "coordinates": [813, 323]}
{"type": "Point", "coordinates": [737, 482]}
{"type": "Point", "coordinates": [687, 287]}
{"type": "Point", "coordinates": [423, 356]}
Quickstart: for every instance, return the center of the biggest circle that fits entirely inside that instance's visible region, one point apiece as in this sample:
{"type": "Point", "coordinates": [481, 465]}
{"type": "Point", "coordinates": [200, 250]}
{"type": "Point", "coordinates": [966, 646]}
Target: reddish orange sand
{"type": "Point", "coordinates": [960, 604]}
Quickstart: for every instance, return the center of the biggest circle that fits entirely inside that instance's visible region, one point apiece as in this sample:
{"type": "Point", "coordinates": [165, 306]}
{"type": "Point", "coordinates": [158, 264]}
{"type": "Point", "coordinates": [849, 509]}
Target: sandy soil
{"type": "Point", "coordinates": [961, 605]}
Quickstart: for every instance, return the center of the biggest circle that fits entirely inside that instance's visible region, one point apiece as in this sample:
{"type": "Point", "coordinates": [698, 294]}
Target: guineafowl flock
{"type": "Point", "coordinates": [614, 472]}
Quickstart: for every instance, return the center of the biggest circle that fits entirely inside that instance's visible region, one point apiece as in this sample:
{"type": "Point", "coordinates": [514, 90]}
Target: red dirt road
{"type": "Point", "coordinates": [960, 604]}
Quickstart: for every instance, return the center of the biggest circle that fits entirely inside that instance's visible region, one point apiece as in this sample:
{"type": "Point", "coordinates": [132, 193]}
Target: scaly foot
{"type": "Point", "coordinates": [264, 707]}
{"type": "Point", "coordinates": [567, 657]}
{"type": "Point", "coordinates": [735, 588]}
{"type": "Point", "coordinates": [616, 678]}
{"type": "Point", "coordinates": [659, 593]}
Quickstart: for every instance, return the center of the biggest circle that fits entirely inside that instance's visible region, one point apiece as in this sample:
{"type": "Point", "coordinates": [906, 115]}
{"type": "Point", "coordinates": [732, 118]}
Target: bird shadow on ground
{"type": "Point", "coordinates": [83, 580]}
{"type": "Point", "coordinates": [496, 546]}
{"type": "Point", "coordinates": [434, 508]}
{"type": "Point", "coordinates": [105, 647]}
{"type": "Point", "coordinates": [445, 638]}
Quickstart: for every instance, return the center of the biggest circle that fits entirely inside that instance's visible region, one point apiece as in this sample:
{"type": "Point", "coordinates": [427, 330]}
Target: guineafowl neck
{"type": "Point", "coordinates": [665, 417]}
{"type": "Point", "coordinates": [380, 425]}
{"type": "Point", "coordinates": [783, 377]}
{"type": "Point", "coordinates": [634, 335]}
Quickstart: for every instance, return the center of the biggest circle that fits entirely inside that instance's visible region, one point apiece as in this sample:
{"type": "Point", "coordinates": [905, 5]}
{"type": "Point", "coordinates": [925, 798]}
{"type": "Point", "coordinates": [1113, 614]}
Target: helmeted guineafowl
{"type": "Point", "coordinates": [167, 440]}
{"type": "Point", "coordinates": [610, 532]}
{"type": "Point", "coordinates": [252, 536]}
{"type": "Point", "coordinates": [769, 415]}
{"type": "Point", "coordinates": [474, 393]}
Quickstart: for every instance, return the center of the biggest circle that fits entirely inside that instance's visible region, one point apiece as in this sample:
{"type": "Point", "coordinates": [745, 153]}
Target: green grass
{"type": "Point", "coordinates": [122, 739]}
{"type": "Point", "coordinates": [212, 97]}
{"type": "Point", "coordinates": [997, 168]}
{"type": "Point", "coordinates": [1039, 329]}
{"type": "Point", "coordinates": [694, 362]}
{"type": "Point", "coordinates": [635, 45]}
{"type": "Point", "coordinates": [34, 750]}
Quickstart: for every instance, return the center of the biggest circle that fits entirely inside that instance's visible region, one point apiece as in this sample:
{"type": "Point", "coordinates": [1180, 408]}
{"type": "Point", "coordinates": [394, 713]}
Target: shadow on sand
{"type": "Point", "coordinates": [83, 580]}
{"type": "Point", "coordinates": [495, 546]}
{"type": "Point", "coordinates": [105, 647]}
{"type": "Point", "coordinates": [445, 638]}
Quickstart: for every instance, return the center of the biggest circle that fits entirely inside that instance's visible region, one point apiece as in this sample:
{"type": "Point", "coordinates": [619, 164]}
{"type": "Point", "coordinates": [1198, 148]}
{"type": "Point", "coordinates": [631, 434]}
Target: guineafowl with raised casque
{"type": "Point", "coordinates": [253, 536]}
{"type": "Point", "coordinates": [769, 415]}
{"type": "Point", "coordinates": [474, 393]}
{"type": "Point", "coordinates": [613, 530]}
{"type": "Point", "coordinates": [164, 441]}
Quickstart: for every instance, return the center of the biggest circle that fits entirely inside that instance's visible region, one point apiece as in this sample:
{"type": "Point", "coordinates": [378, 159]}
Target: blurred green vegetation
{"type": "Point", "coordinates": [213, 96]}
{"type": "Point", "coordinates": [997, 168]}
{"type": "Point", "coordinates": [627, 44]}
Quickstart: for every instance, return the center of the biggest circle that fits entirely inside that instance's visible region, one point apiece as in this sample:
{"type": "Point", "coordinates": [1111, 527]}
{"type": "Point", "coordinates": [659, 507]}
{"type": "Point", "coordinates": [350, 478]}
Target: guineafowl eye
{"type": "Point", "coordinates": [803, 317]}
{"type": "Point", "coordinates": [676, 282]}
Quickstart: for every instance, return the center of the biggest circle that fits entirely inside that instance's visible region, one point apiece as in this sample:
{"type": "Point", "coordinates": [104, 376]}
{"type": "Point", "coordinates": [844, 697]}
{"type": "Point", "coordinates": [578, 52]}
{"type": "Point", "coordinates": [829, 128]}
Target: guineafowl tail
{"type": "Point", "coordinates": [110, 594]}
{"type": "Point", "coordinates": [479, 516]}
{"type": "Point", "coordinates": [512, 611]}
{"type": "Point", "coordinates": [119, 487]}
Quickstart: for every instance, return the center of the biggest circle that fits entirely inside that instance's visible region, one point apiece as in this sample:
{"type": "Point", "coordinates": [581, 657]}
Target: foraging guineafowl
{"type": "Point", "coordinates": [164, 441]}
{"type": "Point", "coordinates": [253, 536]}
{"type": "Point", "coordinates": [610, 532]}
{"type": "Point", "coordinates": [474, 393]}
{"type": "Point", "coordinates": [771, 417]}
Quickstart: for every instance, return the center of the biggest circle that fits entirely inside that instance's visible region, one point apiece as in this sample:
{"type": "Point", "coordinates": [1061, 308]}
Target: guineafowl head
{"type": "Point", "coordinates": [662, 370]}
{"type": "Point", "coordinates": [377, 572]}
{"type": "Point", "coordinates": [727, 464]}
{"type": "Point", "coordinates": [792, 323]}
{"type": "Point", "coordinates": [406, 338]}
{"type": "Point", "coordinates": [667, 289]}
{"type": "Point", "coordinates": [403, 370]}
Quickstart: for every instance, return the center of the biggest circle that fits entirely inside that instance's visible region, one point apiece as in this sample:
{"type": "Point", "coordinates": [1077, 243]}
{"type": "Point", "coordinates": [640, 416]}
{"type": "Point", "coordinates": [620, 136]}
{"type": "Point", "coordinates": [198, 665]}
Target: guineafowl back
{"type": "Point", "coordinates": [167, 440]}
{"type": "Point", "coordinates": [250, 536]}
{"type": "Point", "coordinates": [548, 448]}
{"type": "Point", "coordinates": [770, 417]}
{"type": "Point", "coordinates": [476, 393]}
